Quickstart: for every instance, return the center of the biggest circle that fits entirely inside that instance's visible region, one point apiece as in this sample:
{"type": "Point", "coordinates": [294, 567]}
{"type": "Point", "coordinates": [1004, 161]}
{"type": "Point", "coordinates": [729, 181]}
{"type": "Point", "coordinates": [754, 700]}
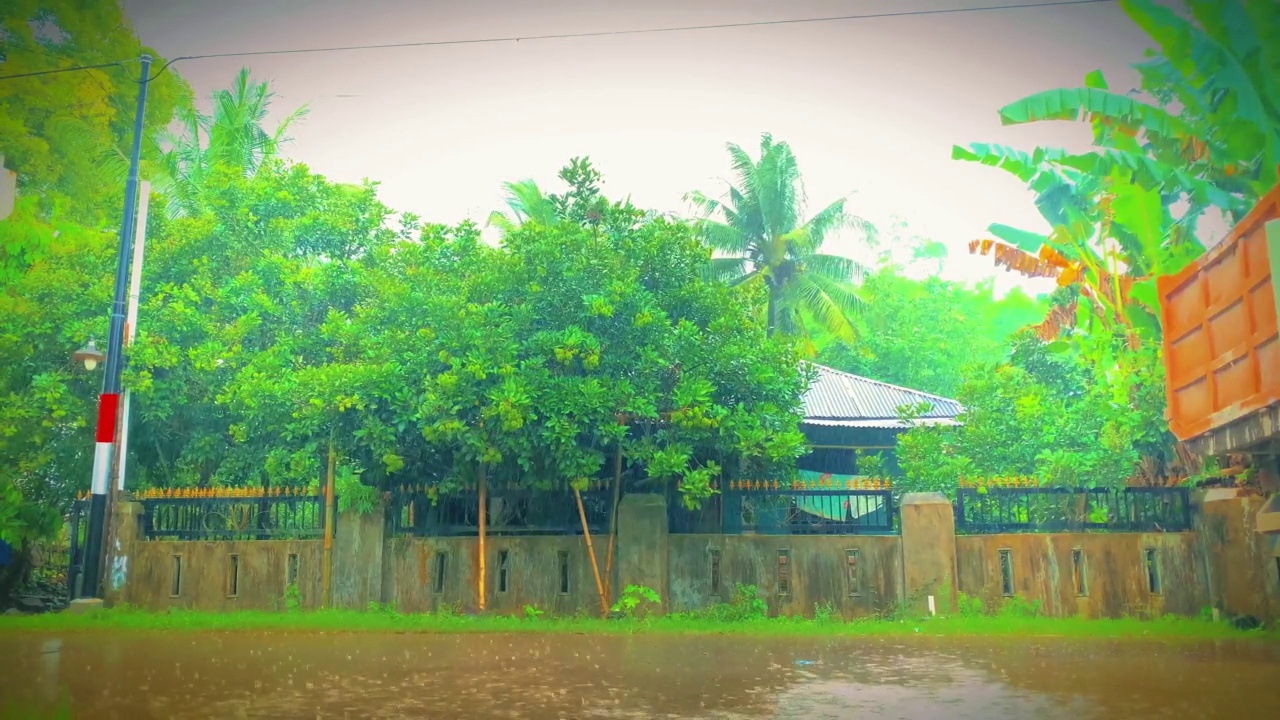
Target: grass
{"type": "Point", "coordinates": [383, 620]}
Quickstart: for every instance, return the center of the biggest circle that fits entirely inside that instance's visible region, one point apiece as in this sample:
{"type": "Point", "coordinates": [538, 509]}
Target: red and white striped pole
{"type": "Point", "coordinates": [109, 400]}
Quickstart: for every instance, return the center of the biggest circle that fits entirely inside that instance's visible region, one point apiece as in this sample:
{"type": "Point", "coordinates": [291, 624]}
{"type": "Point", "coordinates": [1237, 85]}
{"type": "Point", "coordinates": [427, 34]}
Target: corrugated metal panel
{"type": "Point", "coordinates": [840, 398]}
{"type": "Point", "coordinates": [878, 424]}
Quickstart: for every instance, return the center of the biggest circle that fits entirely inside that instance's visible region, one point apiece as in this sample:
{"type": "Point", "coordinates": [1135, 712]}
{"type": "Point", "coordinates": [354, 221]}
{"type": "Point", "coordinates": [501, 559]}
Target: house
{"type": "Point", "coordinates": [846, 415]}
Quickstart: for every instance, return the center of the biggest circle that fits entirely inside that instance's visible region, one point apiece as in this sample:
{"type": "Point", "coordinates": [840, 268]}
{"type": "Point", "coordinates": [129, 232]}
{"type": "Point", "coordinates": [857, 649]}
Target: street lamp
{"type": "Point", "coordinates": [90, 355]}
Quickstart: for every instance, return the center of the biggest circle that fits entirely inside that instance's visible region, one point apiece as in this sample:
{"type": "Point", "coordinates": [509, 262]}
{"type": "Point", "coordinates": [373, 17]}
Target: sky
{"type": "Point", "coordinates": [871, 107]}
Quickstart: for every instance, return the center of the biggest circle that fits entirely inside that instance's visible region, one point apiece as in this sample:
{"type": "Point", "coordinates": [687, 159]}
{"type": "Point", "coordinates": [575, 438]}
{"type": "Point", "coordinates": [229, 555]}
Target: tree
{"type": "Point", "coordinates": [1211, 129]}
{"type": "Point", "coordinates": [243, 324]}
{"type": "Point", "coordinates": [1209, 140]}
{"type": "Point", "coordinates": [1046, 415]}
{"type": "Point", "coordinates": [529, 355]}
{"type": "Point", "coordinates": [230, 140]}
{"type": "Point", "coordinates": [923, 334]}
{"type": "Point", "coordinates": [66, 133]}
{"type": "Point", "coordinates": [759, 227]}
{"type": "Point", "coordinates": [46, 311]}
{"type": "Point", "coordinates": [583, 204]}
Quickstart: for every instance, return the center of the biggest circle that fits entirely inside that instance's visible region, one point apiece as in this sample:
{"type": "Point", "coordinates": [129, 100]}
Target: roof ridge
{"type": "Point", "coordinates": [885, 384]}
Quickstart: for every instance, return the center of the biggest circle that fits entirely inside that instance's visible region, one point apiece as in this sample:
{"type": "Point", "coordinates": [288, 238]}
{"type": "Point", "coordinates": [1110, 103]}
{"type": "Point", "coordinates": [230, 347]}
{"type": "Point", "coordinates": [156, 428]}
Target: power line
{"type": "Point", "coordinates": [599, 33]}
{"type": "Point", "coordinates": [117, 63]}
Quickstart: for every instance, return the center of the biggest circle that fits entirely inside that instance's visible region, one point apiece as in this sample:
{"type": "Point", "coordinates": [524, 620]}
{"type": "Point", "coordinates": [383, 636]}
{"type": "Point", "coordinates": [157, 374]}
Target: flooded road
{"type": "Point", "coordinates": [443, 677]}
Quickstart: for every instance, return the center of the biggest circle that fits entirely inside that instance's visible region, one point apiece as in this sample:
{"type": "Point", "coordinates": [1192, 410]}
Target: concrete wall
{"type": "Point", "coordinates": [1224, 563]}
{"type": "Point", "coordinates": [533, 575]}
{"type": "Point", "coordinates": [1242, 565]}
{"type": "Point", "coordinates": [206, 574]}
{"type": "Point", "coordinates": [1114, 572]}
{"type": "Point", "coordinates": [819, 571]}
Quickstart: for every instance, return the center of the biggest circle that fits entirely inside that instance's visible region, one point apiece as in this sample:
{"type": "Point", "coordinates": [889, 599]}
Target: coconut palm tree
{"type": "Point", "coordinates": [760, 235]}
{"type": "Point", "coordinates": [527, 203]}
{"type": "Point", "coordinates": [232, 138]}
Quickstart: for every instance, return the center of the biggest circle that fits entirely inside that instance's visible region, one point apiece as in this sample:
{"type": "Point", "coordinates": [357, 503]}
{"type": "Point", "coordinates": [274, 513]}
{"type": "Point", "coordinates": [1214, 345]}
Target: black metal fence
{"type": "Point", "coordinates": [788, 511]}
{"type": "Point", "coordinates": [1038, 509]}
{"type": "Point", "coordinates": [77, 529]}
{"type": "Point", "coordinates": [265, 517]}
{"type": "Point", "coordinates": [416, 512]}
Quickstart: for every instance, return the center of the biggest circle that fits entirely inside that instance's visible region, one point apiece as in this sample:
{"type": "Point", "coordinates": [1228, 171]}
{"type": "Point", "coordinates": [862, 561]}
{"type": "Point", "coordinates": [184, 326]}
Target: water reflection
{"type": "Point", "coordinates": [489, 676]}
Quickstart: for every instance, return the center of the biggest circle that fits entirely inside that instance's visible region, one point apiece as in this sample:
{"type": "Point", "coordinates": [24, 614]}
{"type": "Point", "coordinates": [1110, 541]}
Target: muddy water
{"type": "Point", "coordinates": [285, 676]}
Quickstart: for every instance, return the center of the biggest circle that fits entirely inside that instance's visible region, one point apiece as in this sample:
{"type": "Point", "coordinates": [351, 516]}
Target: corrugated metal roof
{"type": "Point", "coordinates": [843, 399]}
{"type": "Point", "coordinates": [879, 424]}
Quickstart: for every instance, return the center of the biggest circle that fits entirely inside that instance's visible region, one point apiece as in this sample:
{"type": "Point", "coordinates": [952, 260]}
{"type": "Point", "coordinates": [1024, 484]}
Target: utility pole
{"type": "Point", "coordinates": [109, 400]}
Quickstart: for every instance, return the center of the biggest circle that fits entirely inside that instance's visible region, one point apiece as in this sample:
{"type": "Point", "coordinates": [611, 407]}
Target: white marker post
{"type": "Point", "coordinates": [131, 323]}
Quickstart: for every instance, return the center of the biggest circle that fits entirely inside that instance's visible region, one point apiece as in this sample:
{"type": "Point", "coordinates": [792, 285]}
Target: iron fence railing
{"type": "Point", "coordinates": [415, 512]}
{"type": "Point", "coordinates": [77, 528]}
{"type": "Point", "coordinates": [1039, 509]}
{"type": "Point", "coordinates": [265, 517]}
{"type": "Point", "coordinates": [786, 511]}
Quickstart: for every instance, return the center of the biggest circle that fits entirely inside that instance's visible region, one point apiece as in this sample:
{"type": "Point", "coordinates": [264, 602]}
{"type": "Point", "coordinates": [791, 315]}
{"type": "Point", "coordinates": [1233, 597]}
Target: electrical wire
{"type": "Point", "coordinates": [116, 63]}
{"type": "Point", "coordinates": [597, 33]}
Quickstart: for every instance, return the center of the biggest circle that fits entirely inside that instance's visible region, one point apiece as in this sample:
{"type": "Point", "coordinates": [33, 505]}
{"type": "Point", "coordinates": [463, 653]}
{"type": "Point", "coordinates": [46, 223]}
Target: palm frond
{"type": "Point", "coordinates": [836, 268]}
{"type": "Point", "coordinates": [826, 302]}
{"type": "Point", "coordinates": [724, 238]}
{"type": "Point", "coordinates": [731, 270]}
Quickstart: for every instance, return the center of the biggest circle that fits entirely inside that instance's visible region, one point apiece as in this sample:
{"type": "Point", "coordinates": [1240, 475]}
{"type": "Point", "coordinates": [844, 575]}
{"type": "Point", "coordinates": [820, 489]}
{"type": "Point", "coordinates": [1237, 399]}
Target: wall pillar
{"type": "Point", "coordinates": [1240, 562]}
{"type": "Point", "coordinates": [642, 544]}
{"type": "Point", "coordinates": [126, 530]}
{"type": "Point", "coordinates": [357, 559]}
{"type": "Point", "coordinates": [928, 551]}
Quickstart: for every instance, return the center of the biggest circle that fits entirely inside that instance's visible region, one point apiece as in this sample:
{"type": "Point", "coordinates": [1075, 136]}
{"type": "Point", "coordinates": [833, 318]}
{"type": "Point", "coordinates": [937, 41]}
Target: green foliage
{"type": "Point", "coordinates": [292, 598]}
{"type": "Point", "coordinates": [824, 612]}
{"type": "Point", "coordinates": [532, 612]}
{"type": "Point", "coordinates": [1019, 607]}
{"type": "Point", "coordinates": [745, 605]}
{"type": "Point", "coordinates": [922, 334]}
{"type": "Point", "coordinates": [68, 135]}
{"type": "Point", "coordinates": [766, 245]}
{"type": "Point", "coordinates": [354, 495]}
{"type": "Point", "coordinates": [528, 354]}
{"type": "Point", "coordinates": [634, 598]}
{"type": "Point", "coordinates": [1208, 138]}
{"type": "Point", "coordinates": [229, 142]}
{"type": "Point", "coordinates": [1064, 418]}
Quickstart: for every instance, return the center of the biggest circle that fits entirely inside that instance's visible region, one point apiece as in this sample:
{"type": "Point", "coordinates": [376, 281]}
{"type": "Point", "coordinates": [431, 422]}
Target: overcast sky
{"type": "Point", "coordinates": [871, 107]}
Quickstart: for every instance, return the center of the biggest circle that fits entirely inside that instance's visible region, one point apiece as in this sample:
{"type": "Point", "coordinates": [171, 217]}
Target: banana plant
{"type": "Point", "coordinates": [1221, 68]}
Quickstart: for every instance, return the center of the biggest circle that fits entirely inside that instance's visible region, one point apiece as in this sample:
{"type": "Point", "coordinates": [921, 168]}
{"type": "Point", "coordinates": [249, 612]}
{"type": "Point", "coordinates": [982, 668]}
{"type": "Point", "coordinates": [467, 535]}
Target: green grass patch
{"type": "Point", "coordinates": [384, 620]}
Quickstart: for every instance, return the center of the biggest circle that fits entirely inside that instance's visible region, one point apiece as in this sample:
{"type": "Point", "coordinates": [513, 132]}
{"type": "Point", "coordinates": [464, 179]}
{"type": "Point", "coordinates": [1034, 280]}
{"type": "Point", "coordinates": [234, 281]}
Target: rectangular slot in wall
{"type": "Point", "coordinates": [233, 575]}
{"type": "Point", "coordinates": [563, 557]}
{"type": "Point", "coordinates": [1151, 558]}
{"type": "Point", "coordinates": [437, 580]}
{"type": "Point", "coordinates": [291, 571]}
{"type": "Point", "coordinates": [504, 570]}
{"type": "Point", "coordinates": [1079, 573]}
{"type": "Point", "coordinates": [853, 574]}
{"type": "Point", "coordinates": [175, 576]}
{"type": "Point", "coordinates": [1006, 572]}
{"type": "Point", "coordinates": [715, 572]}
{"type": "Point", "coordinates": [784, 572]}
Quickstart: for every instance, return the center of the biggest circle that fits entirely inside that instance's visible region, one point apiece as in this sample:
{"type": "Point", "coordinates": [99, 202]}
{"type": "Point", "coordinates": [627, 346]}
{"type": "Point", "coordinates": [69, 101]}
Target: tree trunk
{"type": "Point", "coordinates": [326, 568]}
{"type": "Point", "coordinates": [771, 313]}
{"type": "Point", "coordinates": [613, 520]}
{"type": "Point", "coordinates": [591, 555]}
